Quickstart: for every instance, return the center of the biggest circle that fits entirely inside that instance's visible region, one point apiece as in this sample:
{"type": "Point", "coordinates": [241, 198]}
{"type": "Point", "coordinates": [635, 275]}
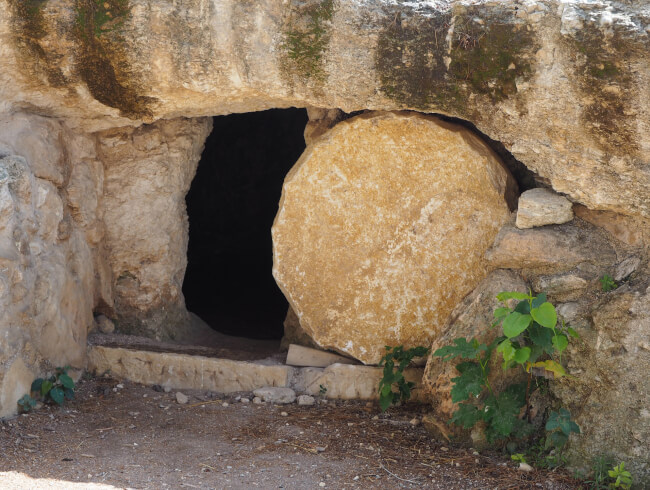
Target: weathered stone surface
{"type": "Point", "coordinates": [183, 371]}
{"type": "Point", "coordinates": [562, 84]}
{"type": "Point", "coordinates": [46, 284]}
{"type": "Point", "coordinates": [563, 287]}
{"type": "Point", "coordinates": [551, 249]}
{"type": "Point", "coordinates": [15, 381]}
{"type": "Point", "coordinates": [472, 318]}
{"type": "Point", "coordinates": [147, 172]}
{"type": "Point", "coordinates": [539, 207]}
{"type": "Point", "coordinates": [629, 230]}
{"type": "Point", "coordinates": [610, 388]}
{"type": "Point", "coordinates": [382, 228]}
{"type": "Point", "coordinates": [346, 382]}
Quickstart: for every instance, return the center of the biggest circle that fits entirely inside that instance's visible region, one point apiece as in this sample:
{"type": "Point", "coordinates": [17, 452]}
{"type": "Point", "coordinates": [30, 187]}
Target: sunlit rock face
{"type": "Point", "coordinates": [563, 85]}
{"type": "Point", "coordinates": [382, 228]}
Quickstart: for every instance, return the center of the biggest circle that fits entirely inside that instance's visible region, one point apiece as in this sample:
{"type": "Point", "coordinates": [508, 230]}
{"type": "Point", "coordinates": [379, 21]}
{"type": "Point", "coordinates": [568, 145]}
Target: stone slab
{"type": "Point", "coordinates": [182, 371]}
{"type": "Point", "coordinates": [299, 355]}
{"type": "Point", "coordinates": [185, 372]}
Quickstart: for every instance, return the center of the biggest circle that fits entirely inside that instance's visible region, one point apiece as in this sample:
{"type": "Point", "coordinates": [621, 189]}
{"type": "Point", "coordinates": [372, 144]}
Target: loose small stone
{"type": "Point", "coordinates": [257, 400]}
{"type": "Point", "coordinates": [284, 414]}
{"type": "Point", "coordinates": [225, 404]}
{"type": "Point", "coordinates": [306, 400]}
{"type": "Point", "coordinates": [181, 398]}
{"type": "Point", "coordinates": [525, 467]}
{"type": "Point", "coordinates": [415, 422]}
{"type": "Point", "coordinates": [245, 400]}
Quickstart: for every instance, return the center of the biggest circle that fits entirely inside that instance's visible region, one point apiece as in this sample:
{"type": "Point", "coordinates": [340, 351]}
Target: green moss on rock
{"type": "Point", "coordinates": [438, 62]}
{"type": "Point", "coordinates": [306, 37]}
{"type": "Point", "coordinates": [603, 70]}
{"type": "Point", "coordinates": [30, 28]}
{"type": "Point", "coordinates": [102, 61]}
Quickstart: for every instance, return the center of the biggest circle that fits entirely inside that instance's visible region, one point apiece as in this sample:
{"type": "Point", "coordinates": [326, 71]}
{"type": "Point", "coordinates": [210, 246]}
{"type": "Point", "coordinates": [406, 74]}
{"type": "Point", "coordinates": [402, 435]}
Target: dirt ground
{"type": "Point", "coordinates": [118, 434]}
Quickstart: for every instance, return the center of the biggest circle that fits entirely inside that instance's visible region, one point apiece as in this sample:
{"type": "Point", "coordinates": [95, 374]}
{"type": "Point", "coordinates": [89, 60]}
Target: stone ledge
{"type": "Point", "coordinates": [183, 371]}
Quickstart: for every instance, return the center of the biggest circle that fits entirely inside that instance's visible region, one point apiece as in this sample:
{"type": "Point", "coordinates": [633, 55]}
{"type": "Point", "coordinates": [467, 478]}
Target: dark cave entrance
{"type": "Point", "coordinates": [231, 206]}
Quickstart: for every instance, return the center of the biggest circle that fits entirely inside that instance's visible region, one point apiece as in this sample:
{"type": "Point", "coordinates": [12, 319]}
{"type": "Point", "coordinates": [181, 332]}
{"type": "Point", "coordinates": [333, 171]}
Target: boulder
{"type": "Point", "coordinates": [539, 207]}
{"type": "Point", "coordinates": [382, 228]}
{"type": "Point", "coordinates": [472, 318]}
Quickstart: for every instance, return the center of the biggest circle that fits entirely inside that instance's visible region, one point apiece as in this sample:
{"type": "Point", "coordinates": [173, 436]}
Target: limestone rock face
{"type": "Point", "coordinates": [382, 228]}
{"type": "Point", "coordinates": [539, 207]}
{"type": "Point", "coordinates": [563, 85]}
{"type": "Point", "coordinates": [608, 396]}
{"type": "Point", "coordinates": [46, 266]}
{"type": "Point", "coordinates": [147, 173]}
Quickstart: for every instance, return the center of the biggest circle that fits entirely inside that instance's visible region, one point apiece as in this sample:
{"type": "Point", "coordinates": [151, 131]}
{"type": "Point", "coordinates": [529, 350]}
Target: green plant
{"type": "Point", "coordinates": [57, 388]}
{"type": "Point", "coordinates": [621, 477]}
{"type": "Point", "coordinates": [322, 390]}
{"type": "Point", "coordinates": [532, 337]}
{"type": "Point", "coordinates": [559, 427]}
{"type": "Point", "coordinates": [518, 457]}
{"type": "Point", "coordinates": [26, 404]}
{"type": "Point", "coordinates": [607, 283]}
{"type": "Point", "coordinates": [394, 363]}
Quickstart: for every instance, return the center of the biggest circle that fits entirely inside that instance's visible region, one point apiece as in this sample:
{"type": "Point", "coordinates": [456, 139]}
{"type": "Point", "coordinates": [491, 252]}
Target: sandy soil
{"type": "Point", "coordinates": [122, 435]}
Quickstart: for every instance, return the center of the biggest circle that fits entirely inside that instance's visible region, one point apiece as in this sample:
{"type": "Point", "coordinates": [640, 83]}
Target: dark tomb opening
{"type": "Point", "coordinates": [231, 206]}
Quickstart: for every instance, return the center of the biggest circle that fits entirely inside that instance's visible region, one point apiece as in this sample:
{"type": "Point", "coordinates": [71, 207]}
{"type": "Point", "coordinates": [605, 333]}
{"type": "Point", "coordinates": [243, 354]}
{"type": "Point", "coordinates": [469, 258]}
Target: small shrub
{"type": "Point", "coordinates": [394, 363]}
{"type": "Point", "coordinates": [322, 390]}
{"type": "Point", "coordinates": [622, 478]}
{"type": "Point", "coordinates": [607, 283]}
{"type": "Point", "coordinates": [26, 404]}
{"type": "Point", "coordinates": [532, 339]}
{"type": "Point", "coordinates": [57, 388]}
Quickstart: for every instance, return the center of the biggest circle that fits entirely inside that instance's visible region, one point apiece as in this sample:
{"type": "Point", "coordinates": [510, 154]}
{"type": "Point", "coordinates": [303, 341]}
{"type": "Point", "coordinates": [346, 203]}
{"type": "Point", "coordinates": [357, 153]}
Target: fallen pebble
{"type": "Point", "coordinates": [275, 394]}
{"type": "Point", "coordinates": [181, 398]}
{"type": "Point", "coordinates": [320, 449]}
{"type": "Point", "coordinates": [376, 417]}
{"type": "Point", "coordinates": [444, 449]}
{"type": "Point", "coordinates": [237, 398]}
{"type": "Point", "coordinates": [167, 389]}
{"type": "Point", "coordinates": [321, 484]}
{"type": "Point", "coordinates": [245, 400]}
{"type": "Point", "coordinates": [415, 422]}
{"type": "Point", "coordinates": [284, 414]}
{"type": "Point", "coordinates": [225, 404]}
{"type": "Point", "coordinates": [119, 386]}
{"type": "Point", "coordinates": [306, 400]}
{"type": "Point", "coordinates": [257, 400]}
{"type": "Point", "coordinates": [525, 467]}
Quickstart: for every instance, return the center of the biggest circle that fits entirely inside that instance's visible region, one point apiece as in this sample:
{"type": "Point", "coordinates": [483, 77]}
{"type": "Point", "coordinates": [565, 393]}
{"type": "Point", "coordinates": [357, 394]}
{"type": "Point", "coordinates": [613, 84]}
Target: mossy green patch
{"type": "Point", "coordinates": [30, 28]}
{"type": "Point", "coordinates": [491, 55]}
{"type": "Point", "coordinates": [410, 62]}
{"type": "Point", "coordinates": [306, 37]}
{"type": "Point", "coordinates": [439, 61]}
{"type": "Point", "coordinates": [102, 61]}
{"type": "Point", "coordinates": [603, 70]}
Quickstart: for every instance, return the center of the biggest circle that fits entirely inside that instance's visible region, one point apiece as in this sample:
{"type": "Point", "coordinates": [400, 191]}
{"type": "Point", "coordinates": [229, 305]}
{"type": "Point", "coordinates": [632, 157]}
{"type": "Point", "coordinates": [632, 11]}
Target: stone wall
{"type": "Point", "coordinates": [46, 261]}
{"type": "Point", "coordinates": [88, 223]}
